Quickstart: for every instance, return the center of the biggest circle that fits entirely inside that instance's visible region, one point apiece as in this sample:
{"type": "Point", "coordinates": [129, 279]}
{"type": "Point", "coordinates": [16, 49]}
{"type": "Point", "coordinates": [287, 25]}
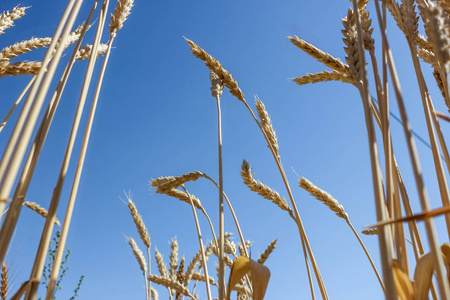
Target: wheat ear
{"type": "Point", "coordinates": [215, 66]}
{"type": "Point", "coordinates": [141, 261]}
{"type": "Point", "coordinates": [319, 55]}
{"type": "Point", "coordinates": [323, 77]}
{"type": "Point", "coordinates": [7, 18]}
{"type": "Point", "coordinates": [373, 231]}
{"type": "Point", "coordinates": [120, 15]}
{"type": "Point", "coordinates": [40, 210]}
{"type": "Point", "coordinates": [23, 47]}
{"type": "Point", "coordinates": [262, 189]}
{"type": "Point", "coordinates": [173, 259]}
{"type": "Point", "coordinates": [154, 294]}
{"type": "Point", "coordinates": [267, 252]}
{"type": "Point", "coordinates": [19, 68]}
{"type": "Point", "coordinates": [85, 51]}
{"type": "Point", "coordinates": [170, 284]}
{"type": "Point", "coordinates": [266, 124]}
{"type": "Point", "coordinates": [140, 225]}
{"type": "Point", "coordinates": [4, 282]}
{"type": "Point", "coordinates": [172, 182]}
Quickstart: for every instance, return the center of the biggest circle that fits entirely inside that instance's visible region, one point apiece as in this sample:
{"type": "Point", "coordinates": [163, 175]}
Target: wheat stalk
{"type": "Point", "coordinates": [40, 210]}
{"type": "Point", "coordinates": [322, 77]}
{"type": "Point", "coordinates": [7, 18]}
{"type": "Point", "coordinates": [262, 259]}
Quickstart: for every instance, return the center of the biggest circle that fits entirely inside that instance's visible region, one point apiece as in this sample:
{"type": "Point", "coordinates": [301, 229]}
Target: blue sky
{"type": "Point", "coordinates": [156, 117]}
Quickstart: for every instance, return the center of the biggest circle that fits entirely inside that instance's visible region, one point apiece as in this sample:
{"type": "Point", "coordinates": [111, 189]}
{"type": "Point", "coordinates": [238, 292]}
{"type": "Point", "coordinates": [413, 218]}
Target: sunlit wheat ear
{"type": "Point", "coordinates": [202, 277]}
{"type": "Point", "coordinates": [230, 247]}
{"type": "Point", "coordinates": [40, 210]}
{"type": "Point", "coordinates": [172, 182]}
{"type": "Point", "coordinates": [173, 259]}
{"type": "Point", "coordinates": [19, 68]}
{"type": "Point", "coordinates": [139, 256]}
{"type": "Point", "coordinates": [180, 272]}
{"type": "Point", "coordinates": [140, 225]}
{"type": "Point", "coordinates": [180, 195]}
{"type": "Point", "coordinates": [23, 47]}
{"type": "Point", "coordinates": [170, 284]}
{"type": "Point", "coordinates": [160, 263]}
{"type": "Point", "coordinates": [266, 124]}
{"type": "Point", "coordinates": [120, 15]}
{"type": "Point", "coordinates": [423, 43]}
{"type": "Point", "coordinates": [366, 22]}
{"type": "Point", "coordinates": [248, 244]}
{"type": "Point", "coordinates": [424, 271]}
{"type": "Point", "coordinates": [323, 77]}
{"type": "Point", "coordinates": [403, 285]}
{"type": "Point", "coordinates": [262, 189]}
{"type": "Point", "coordinates": [324, 197]}
{"type": "Point", "coordinates": [85, 51]}
{"type": "Point", "coordinates": [319, 55]}
{"type": "Point", "coordinates": [373, 231]}
{"type": "Point", "coordinates": [428, 57]}
{"type": "Point", "coordinates": [440, 31]}
{"type": "Point", "coordinates": [262, 259]}
{"type": "Point", "coordinates": [4, 282]}
{"type": "Point", "coordinates": [215, 66]}
{"type": "Point", "coordinates": [7, 18]}
{"type": "Point", "coordinates": [154, 294]}
{"type": "Point", "coordinates": [410, 19]}
{"type": "Point", "coordinates": [350, 35]}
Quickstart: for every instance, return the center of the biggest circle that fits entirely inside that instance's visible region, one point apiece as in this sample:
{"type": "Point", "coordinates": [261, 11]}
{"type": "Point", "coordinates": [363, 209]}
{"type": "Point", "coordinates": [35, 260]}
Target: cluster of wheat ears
{"type": "Point", "coordinates": [249, 278]}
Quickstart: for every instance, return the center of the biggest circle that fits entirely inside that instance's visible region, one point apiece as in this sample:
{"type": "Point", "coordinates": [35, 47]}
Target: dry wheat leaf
{"type": "Point", "coordinates": [403, 284]}
{"type": "Point", "coordinates": [260, 276]}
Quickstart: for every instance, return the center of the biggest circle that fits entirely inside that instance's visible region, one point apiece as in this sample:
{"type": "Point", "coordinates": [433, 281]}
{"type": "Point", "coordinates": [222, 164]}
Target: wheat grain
{"type": "Point", "coordinates": [262, 189]}
{"type": "Point", "coordinates": [160, 263]}
{"type": "Point", "coordinates": [173, 259]}
{"type": "Point", "coordinates": [266, 124]}
{"type": "Point", "coordinates": [170, 284]}
{"type": "Point", "coordinates": [215, 66]}
{"type": "Point", "coordinates": [40, 210]}
{"type": "Point", "coordinates": [267, 252]}
{"type": "Point", "coordinates": [140, 225]}
{"type": "Point", "coordinates": [23, 47]}
{"type": "Point", "coordinates": [85, 51]}
{"type": "Point", "coordinates": [7, 18]}
{"type": "Point", "coordinates": [428, 57]}
{"type": "Point", "coordinates": [324, 197]}
{"type": "Point", "coordinates": [139, 256]}
{"type": "Point", "coordinates": [423, 43]}
{"type": "Point", "coordinates": [120, 15]}
{"type": "Point", "coordinates": [4, 282]}
{"type": "Point", "coordinates": [319, 55]}
{"type": "Point", "coordinates": [323, 76]}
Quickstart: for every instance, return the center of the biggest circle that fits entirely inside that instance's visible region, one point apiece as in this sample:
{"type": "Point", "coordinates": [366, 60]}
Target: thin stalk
{"type": "Point", "coordinates": [17, 145]}
{"type": "Point", "coordinates": [384, 235]}
{"type": "Point", "coordinates": [8, 115]}
{"type": "Point", "coordinates": [200, 241]}
{"type": "Point", "coordinates": [82, 155]}
{"type": "Point", "coordinates": [439, 132]}
{"type": "Point", "coordinates": [221, 278]}
{"type": "Point", "coordinates": [429, 224]}
{"type": "Point", "coordinates": [48, 227]}
{"type": "Point", "coordinates": [15, 207]}
{"type": "Point", "coordinates": [149, 272]}
{"type": "Point", "coordinates": [367, 254]}
{"type": "Point", "coordinates": [303, 237]}
{"type": "Point", "coordinates": [439, 168]}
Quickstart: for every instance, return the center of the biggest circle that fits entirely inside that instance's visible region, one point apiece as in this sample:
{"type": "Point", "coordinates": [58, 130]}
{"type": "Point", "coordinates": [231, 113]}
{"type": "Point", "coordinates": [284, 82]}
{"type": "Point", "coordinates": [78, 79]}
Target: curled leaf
{"type": "Point", "coordinates": [403, 284]}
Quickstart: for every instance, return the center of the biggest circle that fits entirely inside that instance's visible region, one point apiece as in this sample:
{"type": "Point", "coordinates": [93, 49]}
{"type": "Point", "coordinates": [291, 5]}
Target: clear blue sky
{"type": "Point", "coordinates": [156, 117]}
